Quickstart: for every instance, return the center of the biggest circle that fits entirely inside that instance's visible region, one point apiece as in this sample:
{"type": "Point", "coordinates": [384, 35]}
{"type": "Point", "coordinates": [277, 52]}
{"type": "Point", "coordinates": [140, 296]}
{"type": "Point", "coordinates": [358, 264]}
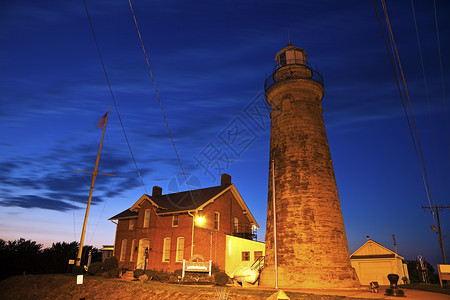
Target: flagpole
{"type": "Point", "coordinates": [94, 175]}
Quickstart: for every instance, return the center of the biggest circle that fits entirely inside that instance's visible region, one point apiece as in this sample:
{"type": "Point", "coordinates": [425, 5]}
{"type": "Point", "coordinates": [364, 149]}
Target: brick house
{"type": "Point", "coordinates": [164, 226]}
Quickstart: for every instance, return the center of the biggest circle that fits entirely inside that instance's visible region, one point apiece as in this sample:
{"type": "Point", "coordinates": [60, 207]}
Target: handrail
{"type": "Point", "coordinates": [315, 74]}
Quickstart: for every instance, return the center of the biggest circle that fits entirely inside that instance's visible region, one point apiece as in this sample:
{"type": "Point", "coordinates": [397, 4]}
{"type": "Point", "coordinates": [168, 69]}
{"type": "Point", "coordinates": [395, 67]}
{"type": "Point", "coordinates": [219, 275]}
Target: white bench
{"type": "Point", "coordinates": [196, 264]}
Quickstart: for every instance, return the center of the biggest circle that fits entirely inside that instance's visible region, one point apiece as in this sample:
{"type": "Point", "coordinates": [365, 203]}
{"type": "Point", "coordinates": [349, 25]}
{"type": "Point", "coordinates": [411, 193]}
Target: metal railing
{"type": "Point", "coordinates": [245, 232]}
{"type": "Point", "coordinates": [292, 63]}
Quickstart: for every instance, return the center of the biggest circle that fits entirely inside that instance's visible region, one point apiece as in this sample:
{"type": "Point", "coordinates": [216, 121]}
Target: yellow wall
{"type": "Point", "coordinates": [234, 248]}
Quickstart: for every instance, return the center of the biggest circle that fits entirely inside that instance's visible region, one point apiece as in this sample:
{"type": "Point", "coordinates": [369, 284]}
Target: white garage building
{"type": "Point", "coordinates": [373, 262]}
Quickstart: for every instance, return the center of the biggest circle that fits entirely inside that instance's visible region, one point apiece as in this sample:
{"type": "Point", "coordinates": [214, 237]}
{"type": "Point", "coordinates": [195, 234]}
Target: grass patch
{"type": "Point", "coordinates": [435, 288]}
{"type": "Point", "coordinates": [94, 287]}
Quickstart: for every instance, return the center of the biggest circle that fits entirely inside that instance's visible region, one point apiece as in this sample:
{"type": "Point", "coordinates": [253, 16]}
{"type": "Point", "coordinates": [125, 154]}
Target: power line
{"type": "Point", "coordinates": [112, 95]}
{"type": "Point", "coordinates": [417, 148]}
{"type": "Point", "coordinates": [159, 99]}
{"type": "Point", "coordinates": [442, 75]}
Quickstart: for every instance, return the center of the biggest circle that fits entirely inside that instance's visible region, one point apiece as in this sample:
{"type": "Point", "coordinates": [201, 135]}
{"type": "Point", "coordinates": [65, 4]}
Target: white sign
{"type": "Point", "coordinates": [79, 279]}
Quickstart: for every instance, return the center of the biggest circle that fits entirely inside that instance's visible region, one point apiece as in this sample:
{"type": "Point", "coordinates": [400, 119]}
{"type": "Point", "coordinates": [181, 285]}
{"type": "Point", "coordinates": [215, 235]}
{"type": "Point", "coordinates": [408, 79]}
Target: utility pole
{"type": "Point", "coordinates": [395, 243]}
{"type": "Point", "coordinates": [436, 210]}
{"type": "Point", "coordinates": [94, 175]}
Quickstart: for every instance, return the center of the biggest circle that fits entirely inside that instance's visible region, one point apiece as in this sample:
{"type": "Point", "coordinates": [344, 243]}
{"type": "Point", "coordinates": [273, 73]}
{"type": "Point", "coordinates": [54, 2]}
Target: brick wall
{"type": "Point", "coordinates": [209, 243]}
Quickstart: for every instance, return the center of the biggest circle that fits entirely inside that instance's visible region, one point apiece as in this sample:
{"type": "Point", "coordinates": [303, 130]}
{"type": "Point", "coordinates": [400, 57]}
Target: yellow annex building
{"type": "Point", "coordinates": [373, 262]}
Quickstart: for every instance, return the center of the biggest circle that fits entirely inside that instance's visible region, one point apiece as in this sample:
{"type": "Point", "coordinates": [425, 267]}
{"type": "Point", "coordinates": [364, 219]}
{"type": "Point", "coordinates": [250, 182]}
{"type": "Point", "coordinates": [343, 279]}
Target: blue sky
{"type": "Point", "coordinates": [209, 60]}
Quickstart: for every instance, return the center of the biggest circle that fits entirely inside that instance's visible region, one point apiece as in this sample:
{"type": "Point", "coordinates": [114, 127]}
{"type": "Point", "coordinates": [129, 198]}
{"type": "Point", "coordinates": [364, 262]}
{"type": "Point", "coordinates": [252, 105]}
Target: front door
{"type": "Point", "coordinates": [143, 244]}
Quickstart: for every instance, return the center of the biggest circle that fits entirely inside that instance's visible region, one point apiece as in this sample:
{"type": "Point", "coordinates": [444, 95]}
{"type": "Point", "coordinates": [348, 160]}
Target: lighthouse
{"type": "Point", "coordinates": [311, 244]}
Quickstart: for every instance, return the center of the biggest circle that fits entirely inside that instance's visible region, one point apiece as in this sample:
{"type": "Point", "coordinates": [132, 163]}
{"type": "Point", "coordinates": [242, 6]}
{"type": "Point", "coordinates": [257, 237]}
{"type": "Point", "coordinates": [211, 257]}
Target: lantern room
{"type": "Point", "coordinates": [290, 55]}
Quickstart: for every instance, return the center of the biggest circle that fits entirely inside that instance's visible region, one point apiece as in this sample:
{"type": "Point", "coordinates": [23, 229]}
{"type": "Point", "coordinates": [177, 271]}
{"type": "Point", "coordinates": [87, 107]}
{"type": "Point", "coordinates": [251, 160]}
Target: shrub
{"type": "Point", "coordinates": [95, 268]}
{"type": "Point", "coordinates": [150, 274]}
{"type": "Point", "coordinates": [178, 273]}
{"type": "Point", "coordinates": [221, 278]}
{"type": "Point", "coordinates": [215, 269]}
{"type": "Point", "coordinates": [113, 273]}
{"type": "Point", "coordinates": [110, 263]}
{"type": "Point", "coordinates": [138, 272]}
{"type": "Point", "coordinates": [162, 276]}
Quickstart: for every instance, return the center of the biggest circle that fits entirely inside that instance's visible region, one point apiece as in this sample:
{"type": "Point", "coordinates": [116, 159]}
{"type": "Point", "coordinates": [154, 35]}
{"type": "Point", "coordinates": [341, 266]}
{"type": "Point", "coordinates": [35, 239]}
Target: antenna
{"type": "Point", "coordinates": [289, 37]}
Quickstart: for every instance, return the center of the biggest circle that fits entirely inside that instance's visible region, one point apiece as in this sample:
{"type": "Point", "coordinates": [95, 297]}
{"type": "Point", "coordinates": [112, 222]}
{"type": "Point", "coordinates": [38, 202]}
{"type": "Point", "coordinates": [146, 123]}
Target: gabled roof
{"type": "Point", "coordinates": [372, 249]}
{"type": "Point", "coordinates": [126, 214]}
{"type": "Point", "coordinates": [186, 201]}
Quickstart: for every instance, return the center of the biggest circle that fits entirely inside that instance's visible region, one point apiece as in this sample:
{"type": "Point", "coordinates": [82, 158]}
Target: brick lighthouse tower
{"type": "Point", "coordinates": [311, 243]}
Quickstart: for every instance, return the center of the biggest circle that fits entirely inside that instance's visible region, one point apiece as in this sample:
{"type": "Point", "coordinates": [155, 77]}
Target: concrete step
{"type": "Point", "coordinates": [128, 275]}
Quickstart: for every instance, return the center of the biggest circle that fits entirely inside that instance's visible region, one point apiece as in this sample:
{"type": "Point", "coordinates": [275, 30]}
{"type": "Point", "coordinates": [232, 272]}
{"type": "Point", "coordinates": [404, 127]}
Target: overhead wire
{"type": "Point", "coordinates": [442, 77]}
{"type": "Point", "coordinates": [419, 147]}
{"type": "Point", "coordinates": [430, 118]}
{"type": "Point", "coordinates": [112, 96]}
{"type": "Point", "coordinates": [159, 100]}
{"type": "Point", "coordinates": [416, 145]}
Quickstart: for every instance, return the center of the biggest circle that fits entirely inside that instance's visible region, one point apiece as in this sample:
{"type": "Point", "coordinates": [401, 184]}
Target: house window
{"type": "Point", "coordinates": [236, 225]}
{"type": "Point", "coordinates": [258, 254]}
{"type": "Point", "coordinates": [175, 221]}
{"type": "Point", "coordinates": [147, 218]}
{"type": "Point", "coordinates": [166, 250]}
{"type": "Point", "coordinates": [123, 250]}
{"type": "Point", "coordinates": [216, 220]}
{"type": "Point", "coordinates": [131, 225]}
{"type": "Point", "coordinates": [245, 256]}
{"type": "Point", "coordinates": [132, 249]}
{"type": "Point", "coordinates": [180, 249]}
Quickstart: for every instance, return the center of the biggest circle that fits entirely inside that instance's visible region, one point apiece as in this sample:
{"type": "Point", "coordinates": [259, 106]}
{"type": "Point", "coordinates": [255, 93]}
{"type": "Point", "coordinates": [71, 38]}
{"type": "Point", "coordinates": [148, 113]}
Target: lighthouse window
{"type": "Point", "coordinates": [282, 59]}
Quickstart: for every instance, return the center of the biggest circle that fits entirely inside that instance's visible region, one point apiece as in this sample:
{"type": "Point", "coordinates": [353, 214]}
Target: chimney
{"type": "Point", "coordinates": [157, 191]}
{"type": "Point", "coordinates": [225, 179]}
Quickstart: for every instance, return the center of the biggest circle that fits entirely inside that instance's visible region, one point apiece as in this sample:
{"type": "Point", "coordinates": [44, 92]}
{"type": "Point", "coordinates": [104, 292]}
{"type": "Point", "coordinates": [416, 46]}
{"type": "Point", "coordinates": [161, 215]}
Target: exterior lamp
{"type": "Point", "coordinates": [200, 220]}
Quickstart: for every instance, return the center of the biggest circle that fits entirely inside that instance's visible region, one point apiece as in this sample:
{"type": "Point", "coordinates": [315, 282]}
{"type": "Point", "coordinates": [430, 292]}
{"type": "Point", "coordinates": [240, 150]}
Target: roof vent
{"type": "Point", "coordinates": [157, 191]}
{"type": "Point", "coordinates": [225, 179]}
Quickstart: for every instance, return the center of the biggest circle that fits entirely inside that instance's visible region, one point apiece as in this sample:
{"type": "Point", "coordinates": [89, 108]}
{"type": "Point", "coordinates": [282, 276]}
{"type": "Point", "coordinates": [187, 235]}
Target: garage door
{"type": "Point", "coordinates": [374, 271]}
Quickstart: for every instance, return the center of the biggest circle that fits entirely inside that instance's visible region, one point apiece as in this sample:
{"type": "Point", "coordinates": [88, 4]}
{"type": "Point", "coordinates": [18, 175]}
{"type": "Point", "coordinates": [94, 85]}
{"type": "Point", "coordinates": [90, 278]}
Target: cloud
{"type": "Point", "coordinates": [33, 201]}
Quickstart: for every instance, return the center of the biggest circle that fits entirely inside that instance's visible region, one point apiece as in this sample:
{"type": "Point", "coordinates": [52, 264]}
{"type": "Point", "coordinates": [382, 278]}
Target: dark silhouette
{"type": "Point", "coordinates": [27, 257]}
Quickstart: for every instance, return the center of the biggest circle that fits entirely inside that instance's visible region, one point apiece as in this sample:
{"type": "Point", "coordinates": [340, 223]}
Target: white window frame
{"type": "Point", "coordinates": [123, 249]}
{"type": "Point", "coordinates": [180, 249]}
{"type": "Point", "coordinates": [133, 242]}
{"type": "Point", "coordinates": [131, 224]}
{"type": "Point", "coordinates": [166, 249]}
{"type": "Point", "coordinates": [216, 220]}
{"type": "Point", "coordinates": [236, 224]}
{"type": "Point", "coordinates": [147, 218]}
{"type": "Point", "coordinates": [175, 220]}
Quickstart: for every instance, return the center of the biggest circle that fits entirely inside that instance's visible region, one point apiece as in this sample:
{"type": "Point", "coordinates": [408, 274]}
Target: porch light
{"type": "Point", "coordinates": [200, 220]}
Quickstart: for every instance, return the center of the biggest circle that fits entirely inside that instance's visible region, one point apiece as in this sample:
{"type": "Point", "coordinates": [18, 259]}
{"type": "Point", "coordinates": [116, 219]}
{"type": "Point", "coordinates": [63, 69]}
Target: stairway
{"type": "Point", "coordinates": [128, 276]}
